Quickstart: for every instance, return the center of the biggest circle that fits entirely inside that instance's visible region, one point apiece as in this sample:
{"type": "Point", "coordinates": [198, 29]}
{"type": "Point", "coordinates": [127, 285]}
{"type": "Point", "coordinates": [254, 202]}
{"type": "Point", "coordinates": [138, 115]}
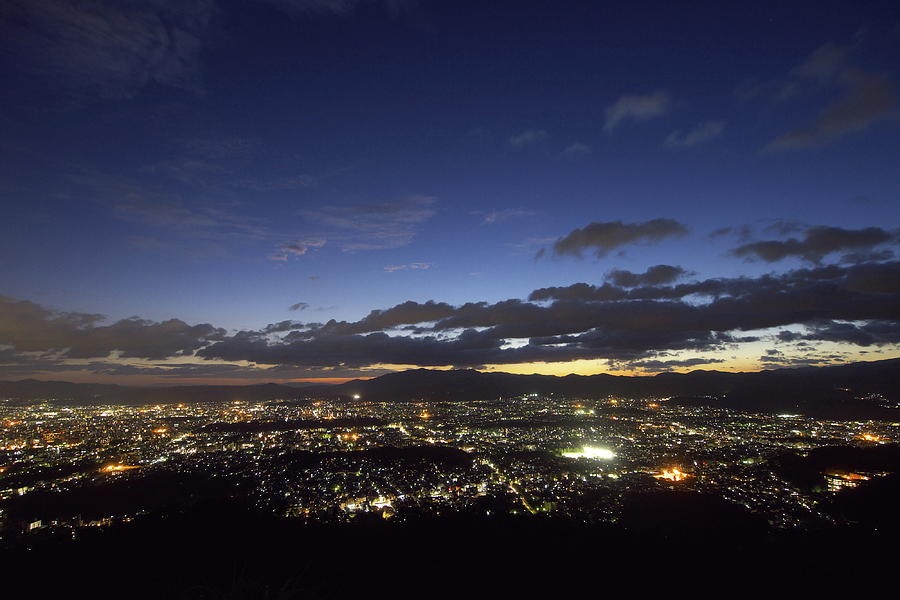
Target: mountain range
{"type": "Point", "coordinates": [856, 390]}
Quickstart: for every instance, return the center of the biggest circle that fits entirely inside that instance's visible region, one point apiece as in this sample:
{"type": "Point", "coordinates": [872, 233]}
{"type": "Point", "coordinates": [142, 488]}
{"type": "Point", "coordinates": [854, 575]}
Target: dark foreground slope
{"type": "Point", "coordinates": [228, 553]}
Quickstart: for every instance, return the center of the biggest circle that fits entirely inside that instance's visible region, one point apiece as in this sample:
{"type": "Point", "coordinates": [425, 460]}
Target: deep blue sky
{"type": "Point", "coordinates": [218, 162]}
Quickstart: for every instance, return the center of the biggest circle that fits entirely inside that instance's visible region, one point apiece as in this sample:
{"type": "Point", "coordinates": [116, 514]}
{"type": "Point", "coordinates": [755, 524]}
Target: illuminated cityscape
{"type": "Point", "coordinates": [331, 460]}
{"type": "Point", "coordinates": [382, 299]}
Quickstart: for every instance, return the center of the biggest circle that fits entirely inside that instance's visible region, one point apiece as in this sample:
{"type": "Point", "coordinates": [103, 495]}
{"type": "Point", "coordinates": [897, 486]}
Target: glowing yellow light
{"type": "Point", "coordinates": [675, 474]}
{"type": "Point", "coordinates": [356, 396]}
{"type": "Point", "coordinates": [116, 468]}
{"type": "Point", "coordinates": [425, 414]}
{"type": "Point", "coordinates": [868, 437]}
{"type": "Point", "coordinates": [653, 405]}
{"type": "Point", "coordinates": [160, 430]}
{"type": "Point", "coordinates": [382, 502]}
{"type": "Point", "coordinates": [850, 476]}
{"type": "Point", "coordinates": [592, 453]}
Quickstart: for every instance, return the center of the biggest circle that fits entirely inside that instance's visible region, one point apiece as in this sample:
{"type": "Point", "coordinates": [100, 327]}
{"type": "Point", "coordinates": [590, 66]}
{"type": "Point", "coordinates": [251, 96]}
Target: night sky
{"type": "Point", "coordinates": [212, 191]}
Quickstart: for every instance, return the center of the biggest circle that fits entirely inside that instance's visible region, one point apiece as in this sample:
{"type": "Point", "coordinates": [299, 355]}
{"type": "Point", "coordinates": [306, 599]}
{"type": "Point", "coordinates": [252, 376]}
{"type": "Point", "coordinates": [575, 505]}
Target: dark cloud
{"type": "Point", "coordinates": [28, 363]}
{"type": "Point", "coordinates": [788, 336]}
{"type": "Point", "coordinates": [580, 291]}
{"type": "Point", "coordinates": [281, 327]}
{"type": "Point", "coordinates": [604, 237]}
{"type": "Point", "coordinates": [656, 275]}
{"type": "Point", "coordinates": [799, 361]}
{"type": "Point", "coordinates": [218, 370]}
{"type": "Point", "coordinates": [585, 321]}
{"type": "Point", "coordinates": [742, 233]}
{"type": "Point", "coordinates": [817, 243]}
{"type": "Point", "coordinates": [783, 227]}
{"type": "Point", "coordinates": [29, 327]}
{"type": "Point", "coordinates": [668, 365]}
{"type": "Point", "coordinates": [871, 333]}
{"type": "Point", "coordinates": [298, 306]}
{"type": "Point", "coordinates": [866, 257]}
{"type": "Point", "coordinates": [865, 98]}
{"type": "Point", "coordinates": [853, 304]}
{"type": "Point", "coordinates": [868, 277]}
{"type": "Point", "coordinates": [468, 348]}
{"type": "Point", "coordinates": [471, 347]}
{"type": "Point", "coordinates": [19, 365]}
{"type": "Point", "coordinates": [407, 313]}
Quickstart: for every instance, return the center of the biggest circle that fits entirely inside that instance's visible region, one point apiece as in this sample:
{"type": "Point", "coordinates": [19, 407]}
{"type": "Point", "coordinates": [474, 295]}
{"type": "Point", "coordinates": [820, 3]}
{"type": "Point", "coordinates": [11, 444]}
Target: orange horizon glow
{"type": "Point", "coordinates": [585, 367]}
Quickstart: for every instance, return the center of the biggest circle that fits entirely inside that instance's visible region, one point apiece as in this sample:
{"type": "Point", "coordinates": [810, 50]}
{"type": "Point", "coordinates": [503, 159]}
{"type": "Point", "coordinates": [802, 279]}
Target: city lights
{"type": "Point", "coordinates": [673, 474]}
{"type": "Point", "coordinates": [591, 452]}
{"type": "Point", "coordinates": [117, 468]}
{"type": "Point", "coordinates": [307, 459]}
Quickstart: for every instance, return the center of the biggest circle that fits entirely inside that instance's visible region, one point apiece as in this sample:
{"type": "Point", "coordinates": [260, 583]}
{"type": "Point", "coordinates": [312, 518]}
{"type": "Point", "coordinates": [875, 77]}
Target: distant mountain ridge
{"type": "Point", "coordinates": [826, 391]}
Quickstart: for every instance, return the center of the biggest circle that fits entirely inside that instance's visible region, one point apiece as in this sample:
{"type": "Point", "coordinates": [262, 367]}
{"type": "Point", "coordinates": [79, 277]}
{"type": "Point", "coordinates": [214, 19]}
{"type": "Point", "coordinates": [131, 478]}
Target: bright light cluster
{"type": "Point", "coordinates": [592, 452]}
{"type": "Point", "coordinates": [675, 474]}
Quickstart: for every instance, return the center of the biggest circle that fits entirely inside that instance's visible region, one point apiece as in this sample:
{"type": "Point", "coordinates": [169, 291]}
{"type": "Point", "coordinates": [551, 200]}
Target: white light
{"type": "Point", "coordinates": [591, 452]}
{"type": "Point", "coordinates": [356, 396]}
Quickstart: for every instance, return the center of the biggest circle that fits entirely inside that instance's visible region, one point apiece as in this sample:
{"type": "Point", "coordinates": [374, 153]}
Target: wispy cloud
{"type": "Point", "coordinates": [298, 306]}
{"type": "Point", "coordinates": [373, 226]}
{"type": "Point", "coordinates": [114, 49]}
{"type": "Point", "coordinates": [702, 133]}
{"type": "Point", "coordinates": [530, 245]}
{"type": "Point", "coordinates": [416, 266]}
{"type": "Point", "coordinates": [505, 214]}
{"type": "Point", "coordinates": [527, 138]}
{"type": "Point", "coordinates": [298, 248]}
{"type": "Point", "coordinates": [279, 184]}
{"type": "Point", "coordinates": [636, 108]}
{"type": "Point", "coordinates": [340, 8]}
{"type": "Point", "coordinates": [577, 149]}
{"type": "Point", "coordinates": [108, 49]}
{"type": "Point", "coordinates": [170, 219]}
